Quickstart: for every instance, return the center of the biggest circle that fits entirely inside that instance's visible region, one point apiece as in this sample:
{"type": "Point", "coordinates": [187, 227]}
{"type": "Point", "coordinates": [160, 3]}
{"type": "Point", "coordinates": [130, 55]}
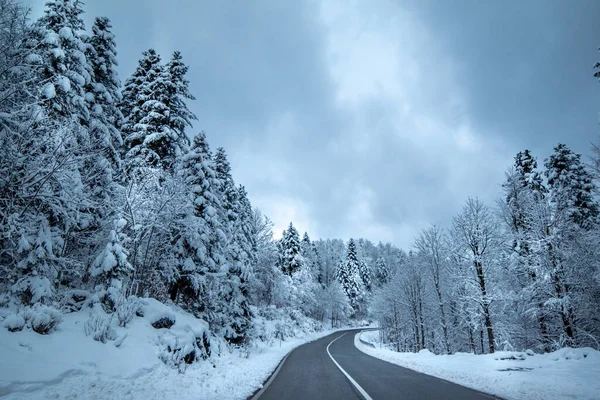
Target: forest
{"type": "Point", "coordinates": [108, 196]}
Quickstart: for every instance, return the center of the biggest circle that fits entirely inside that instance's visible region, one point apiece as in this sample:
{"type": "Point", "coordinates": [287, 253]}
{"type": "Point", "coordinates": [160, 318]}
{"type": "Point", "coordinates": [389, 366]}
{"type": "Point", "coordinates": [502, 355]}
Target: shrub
{"type": "Point", "coordinates": [99, 328]}
{"type": "Point", "coordinates": [14, 322]}
{"type": "Point", "coordinates": [127, 308]}
{"type": "Point", "coordinates": [178, 349]}
{"type": "Point", "coordinates": [42, 319]}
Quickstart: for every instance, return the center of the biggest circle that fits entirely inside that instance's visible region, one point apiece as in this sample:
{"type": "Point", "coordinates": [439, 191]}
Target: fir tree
{"type": "Point", "coordinates": [149, 139]}
{"type": "Point", "coordinates": [112, 263]}
{"type": "Point", "coordinates": [382, 274]}
{"type": "Point", "coordinates": [348, 276]}
{"type": "Point", "coordinates": [178, 86]}
{"type": "Point", "coordinates": [365, 274]}
{"type": "Point", "coordinates": [201, 245]}
{"type": "Point", "coordinates": [233, 289]}
{"type": "Point", "coordinates": [571, 186]}
{"type": "Point", "coordinates": [104, 93]}
{"type": "Point", "coordinates": [291, 251]}
{"type": "Point", "coordinates": [65, 70]}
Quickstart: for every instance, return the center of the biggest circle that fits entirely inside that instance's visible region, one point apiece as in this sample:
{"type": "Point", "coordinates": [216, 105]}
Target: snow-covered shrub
{"type": "Point", "coordinates": [126, 309]}
{"type": "Point", "coordinates": [98, 326]}
{"type": "Point", "coordinates": [33, 289]}
{"type": "Point", "coordinates": [14, 322]}
{"type": "Point", "coordinates": [42, 319]}
{"type": "Point", "coordinates": [182, 347]}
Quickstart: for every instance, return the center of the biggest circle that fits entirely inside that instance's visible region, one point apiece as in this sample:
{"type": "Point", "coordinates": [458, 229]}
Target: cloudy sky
{"type": "Point", "coordinates": [374, 118]}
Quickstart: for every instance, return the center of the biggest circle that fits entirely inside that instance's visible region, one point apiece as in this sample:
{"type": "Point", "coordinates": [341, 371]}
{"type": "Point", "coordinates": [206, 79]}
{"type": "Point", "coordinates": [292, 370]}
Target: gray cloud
{"type": "Point", "coordinates": [374, 118]}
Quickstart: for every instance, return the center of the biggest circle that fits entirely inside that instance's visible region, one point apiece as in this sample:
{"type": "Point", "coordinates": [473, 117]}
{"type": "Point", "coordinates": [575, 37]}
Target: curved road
{"type": "Point", "coordinates": [310, 373]}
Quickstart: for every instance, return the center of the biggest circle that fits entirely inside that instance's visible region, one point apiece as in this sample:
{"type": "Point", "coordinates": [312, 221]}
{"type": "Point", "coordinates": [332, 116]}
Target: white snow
{"type": "Point", "coordinates": [67, 364]}
{"type": "Point", "coordinates": [49, 91]}
{"type": "Point", "coordinates": [563, 374]}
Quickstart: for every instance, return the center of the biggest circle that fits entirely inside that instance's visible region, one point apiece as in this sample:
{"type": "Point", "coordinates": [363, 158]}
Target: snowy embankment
{"type": "Point", "coordinates": [563, 374]}
{"type": "Point", "coordinates": [68, 364]}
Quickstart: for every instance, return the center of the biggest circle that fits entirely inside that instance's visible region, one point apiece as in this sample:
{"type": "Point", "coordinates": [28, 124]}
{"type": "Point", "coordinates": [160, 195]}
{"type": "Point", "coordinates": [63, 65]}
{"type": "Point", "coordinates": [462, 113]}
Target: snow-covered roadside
{"type": "Point", "coordinates": [67, 364]}
{"type": "Point", "coordinates": [563, 374]}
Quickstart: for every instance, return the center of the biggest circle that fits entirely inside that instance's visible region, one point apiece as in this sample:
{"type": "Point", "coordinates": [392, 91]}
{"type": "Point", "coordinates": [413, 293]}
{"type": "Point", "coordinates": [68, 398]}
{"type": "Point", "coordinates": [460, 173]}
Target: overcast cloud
{"type": "Point", "coordinates": [374, 118]}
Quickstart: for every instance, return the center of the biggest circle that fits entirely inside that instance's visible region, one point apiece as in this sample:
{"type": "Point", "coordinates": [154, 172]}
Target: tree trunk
{"type": "Point", "coordinates": [485, 305]}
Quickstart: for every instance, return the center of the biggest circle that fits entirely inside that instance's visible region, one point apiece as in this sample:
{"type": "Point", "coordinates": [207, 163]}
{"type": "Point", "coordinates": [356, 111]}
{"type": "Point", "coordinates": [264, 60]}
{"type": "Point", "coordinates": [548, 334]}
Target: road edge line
{"type": "Point", "coordinates": [352, 381]}
{"type": "Point", "coordinates": [273, 375]}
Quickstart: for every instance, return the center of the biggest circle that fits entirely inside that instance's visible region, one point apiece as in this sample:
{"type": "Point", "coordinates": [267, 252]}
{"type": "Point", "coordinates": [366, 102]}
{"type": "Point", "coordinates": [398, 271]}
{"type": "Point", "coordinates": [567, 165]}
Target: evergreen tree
{"type": "Point", "coordinates": [571, 186]}
{"type": "Point", "coordinates": [201, 243]}
{"type": "Point", "coordinates": [104, 94]}
{"type": "Point", "coordinates": [179, 114]}
{"type": "Point", "coordinates": [112, 263]}
{"type": "Point", "coordinates": [149, 139]}
{"type": "Point", "coordinates": [349, 277]}
{"type": "Point", "coordinates": [291, 251]}
{"type": "Point", "coordinates": [382, 274]}
{"type": "Point", "coordinates": [65, 71]}
{"type": "Point", "coordinates": [233, 289]}
{"type": "Point", "coordinates": [365, 274]}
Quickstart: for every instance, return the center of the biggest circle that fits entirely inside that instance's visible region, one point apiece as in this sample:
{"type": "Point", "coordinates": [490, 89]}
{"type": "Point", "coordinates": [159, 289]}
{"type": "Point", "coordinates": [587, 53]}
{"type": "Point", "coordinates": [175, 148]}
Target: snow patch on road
{"type": "Point", "coordinates": [563, 374]}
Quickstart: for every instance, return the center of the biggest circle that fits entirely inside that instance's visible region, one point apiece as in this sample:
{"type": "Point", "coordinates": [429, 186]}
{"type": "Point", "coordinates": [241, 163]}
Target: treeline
{"type": "Point", "coordinates": [103, 196]}
{"type": "Point", "coordinates": [521, 274]}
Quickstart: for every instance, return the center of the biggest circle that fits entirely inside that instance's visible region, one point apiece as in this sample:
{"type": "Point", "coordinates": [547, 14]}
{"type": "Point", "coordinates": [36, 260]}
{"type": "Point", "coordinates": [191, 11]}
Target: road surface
{"type": "Point", "coordinates": [309, 372]}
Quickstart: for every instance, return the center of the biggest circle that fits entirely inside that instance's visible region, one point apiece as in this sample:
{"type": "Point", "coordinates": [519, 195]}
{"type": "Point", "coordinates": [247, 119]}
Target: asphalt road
{"type": "Point", "coordinates": [309, 373]}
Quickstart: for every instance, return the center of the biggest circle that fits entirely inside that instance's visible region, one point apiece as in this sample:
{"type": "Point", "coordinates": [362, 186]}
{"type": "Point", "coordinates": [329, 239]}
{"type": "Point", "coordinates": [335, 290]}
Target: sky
{"type": "Point", "coordinates": [374, 118]}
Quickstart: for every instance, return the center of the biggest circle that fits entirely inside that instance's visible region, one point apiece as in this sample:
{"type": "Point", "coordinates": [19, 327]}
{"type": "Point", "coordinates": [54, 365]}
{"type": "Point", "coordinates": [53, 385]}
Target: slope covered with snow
{"type": "Point", "coordinates": [68, 364]}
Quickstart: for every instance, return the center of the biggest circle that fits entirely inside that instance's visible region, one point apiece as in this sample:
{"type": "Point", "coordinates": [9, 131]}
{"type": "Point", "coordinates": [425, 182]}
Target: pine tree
{"type": "Point", "coordinates": [149, 139]}
{"type": "Point", "coordinates": [178, 86]}
{"type": "Point", "coordinates": [65, 70]}
{"type": "Point", "coordinates": [571, 186]}
{"type": "Point", "coordinates": [348, 276]}
{"type": "Point", "coordinates": [291, 251]}
{"type": "Point", "coordinates": [112, 263]}
{"type": "Point", "coordinates": [365, 274]}
{"type": "Point", "coordinates": [104, 94]}
{"type": "Point", "coordinates": [233, 289]}
{"type": "Point", "coordinates": [382, 274]}
{"type": "Point", "coordinates": [246, 237]}
{"type": "Point", "coordinates": [201, 243]}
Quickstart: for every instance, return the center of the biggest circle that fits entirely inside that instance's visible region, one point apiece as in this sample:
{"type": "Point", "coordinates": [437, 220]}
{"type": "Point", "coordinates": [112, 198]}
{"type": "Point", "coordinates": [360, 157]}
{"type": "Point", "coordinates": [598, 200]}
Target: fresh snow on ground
{"type": "Point", "coordinates": [563, 374]}
{"type": "Point", "coordinates": [67, 364]}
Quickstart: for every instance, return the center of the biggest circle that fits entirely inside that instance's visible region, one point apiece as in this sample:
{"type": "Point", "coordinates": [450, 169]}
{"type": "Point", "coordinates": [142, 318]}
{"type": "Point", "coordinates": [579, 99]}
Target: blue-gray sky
{"type": "Point", "coordinates": [374, 118]}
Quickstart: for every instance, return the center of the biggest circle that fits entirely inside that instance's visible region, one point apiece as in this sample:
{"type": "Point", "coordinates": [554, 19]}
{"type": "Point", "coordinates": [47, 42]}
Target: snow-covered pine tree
{"type": "Point", "coordinates": [571, 186]}
{"type": "Point", "coordinates": [200, 248]}
{"type": "Point", "coordinates": [112, 264]}
{"type": "Point", "coordinates": [104, 95]}
{"type": "Point", "coordinates": [524, 195]}
{"type": "Point", "coordinates": [348, 276]}
{"type": "Point", "coordinates": [562, 227]}
{"type": "Point", "coordinates": [246, 235]}
{"type": "Point", "coordinates": [291, 256]}
{"type": "Point", "coordinates": [382, 274]}
{"type": "Point", "coordinates": [306, 246]}
{"type": "Point", "coordinates": [178, 86]}
{"type": "Point", "coordinates": [66, 70]}
{"type": "Point", "coordinates": [149, 139]}
{"type": "Point", "coordinates": [236, 314]}
{"type": "Point", "coordinates": [365, 274]}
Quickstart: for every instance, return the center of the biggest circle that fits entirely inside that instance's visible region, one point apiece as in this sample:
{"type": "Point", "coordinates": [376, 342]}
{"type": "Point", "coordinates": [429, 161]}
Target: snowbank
{"type": "Point", "coordinates": [564, 374]}
{"type": "Point", "coordinates": [69, 364]}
